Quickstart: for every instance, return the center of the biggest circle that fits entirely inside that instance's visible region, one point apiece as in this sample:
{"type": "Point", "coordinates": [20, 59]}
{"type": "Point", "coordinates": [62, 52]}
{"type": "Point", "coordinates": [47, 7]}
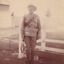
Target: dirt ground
{"type": "Point", "coordinates": [8, 56]}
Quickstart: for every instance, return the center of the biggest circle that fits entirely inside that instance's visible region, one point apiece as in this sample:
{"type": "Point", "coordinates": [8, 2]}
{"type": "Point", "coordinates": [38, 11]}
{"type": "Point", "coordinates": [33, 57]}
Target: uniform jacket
{"type": "Point", "coordinates": [34, 24]}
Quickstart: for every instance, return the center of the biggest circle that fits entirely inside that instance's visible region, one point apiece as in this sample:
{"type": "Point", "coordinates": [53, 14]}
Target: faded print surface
{"type": "Point", "coordinates": [51, 13]}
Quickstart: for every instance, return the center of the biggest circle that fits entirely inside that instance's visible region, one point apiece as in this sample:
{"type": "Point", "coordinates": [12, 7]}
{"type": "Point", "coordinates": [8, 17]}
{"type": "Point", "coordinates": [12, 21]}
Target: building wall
{"type": "Point", "coordinates": [5, 17]}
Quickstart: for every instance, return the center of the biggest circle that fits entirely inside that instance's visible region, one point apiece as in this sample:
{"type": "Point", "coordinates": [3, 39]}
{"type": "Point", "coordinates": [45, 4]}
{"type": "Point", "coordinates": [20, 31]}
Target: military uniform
{"type": "Point", "coordinates": [31, 31]}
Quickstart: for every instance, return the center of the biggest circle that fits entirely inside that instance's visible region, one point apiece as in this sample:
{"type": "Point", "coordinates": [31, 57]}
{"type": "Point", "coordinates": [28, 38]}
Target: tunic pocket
{"type": "Point", "coordinates": [30, 31]}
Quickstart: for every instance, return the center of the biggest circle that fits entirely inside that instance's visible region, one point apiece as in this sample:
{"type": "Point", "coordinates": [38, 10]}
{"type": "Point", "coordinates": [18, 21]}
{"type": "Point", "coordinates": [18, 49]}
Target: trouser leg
{"type": "Point", "coordinates": [30, 46]}
{"type": "Point", "coordinates": [33, 44]}
{"type": "Point", "coordinates": [28, 49]}
{"type": "Point", "coordinates": [28, 55]}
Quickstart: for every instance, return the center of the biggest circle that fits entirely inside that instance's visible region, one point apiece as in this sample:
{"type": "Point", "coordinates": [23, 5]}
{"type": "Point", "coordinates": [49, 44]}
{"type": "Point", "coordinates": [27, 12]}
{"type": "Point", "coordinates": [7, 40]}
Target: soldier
{"type": "Point", "coordinates": [30, 32]}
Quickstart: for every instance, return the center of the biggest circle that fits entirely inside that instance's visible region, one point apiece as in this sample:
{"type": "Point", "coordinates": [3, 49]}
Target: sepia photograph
{"type": "Point", "coordinates": [31, 31]}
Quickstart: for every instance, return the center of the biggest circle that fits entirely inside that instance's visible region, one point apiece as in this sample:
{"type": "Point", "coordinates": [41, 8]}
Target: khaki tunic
{"type": "Point", "coordinates": [34, 27]}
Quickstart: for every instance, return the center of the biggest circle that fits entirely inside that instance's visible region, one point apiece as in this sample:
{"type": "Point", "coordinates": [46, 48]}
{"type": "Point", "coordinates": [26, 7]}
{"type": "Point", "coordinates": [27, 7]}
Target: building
{"type": "Point", "coordinates": [5, 17]}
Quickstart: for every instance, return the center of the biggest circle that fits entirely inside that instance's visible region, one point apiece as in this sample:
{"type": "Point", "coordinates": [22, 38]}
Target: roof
{"type": "Point", "coordinates": [4, 2]}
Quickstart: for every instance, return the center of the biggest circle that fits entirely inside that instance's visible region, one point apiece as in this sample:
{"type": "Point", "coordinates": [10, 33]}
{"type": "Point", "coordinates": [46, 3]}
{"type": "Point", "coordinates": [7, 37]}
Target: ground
{"type": "Point", "coordinates": [9, 49]}
{"type": "Point", "coordinates": [9, 57]}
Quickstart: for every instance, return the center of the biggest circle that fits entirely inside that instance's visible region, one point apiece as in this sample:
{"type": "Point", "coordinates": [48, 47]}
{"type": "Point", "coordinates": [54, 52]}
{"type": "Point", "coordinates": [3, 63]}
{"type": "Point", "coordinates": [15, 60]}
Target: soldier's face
{"type": "Point", "coordinates": [31, 9]}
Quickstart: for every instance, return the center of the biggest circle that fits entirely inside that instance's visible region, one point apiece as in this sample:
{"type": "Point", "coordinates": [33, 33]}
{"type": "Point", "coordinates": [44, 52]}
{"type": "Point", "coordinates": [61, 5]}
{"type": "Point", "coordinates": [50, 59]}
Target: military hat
{"type": "Point", "coordinates": [32, 6]}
